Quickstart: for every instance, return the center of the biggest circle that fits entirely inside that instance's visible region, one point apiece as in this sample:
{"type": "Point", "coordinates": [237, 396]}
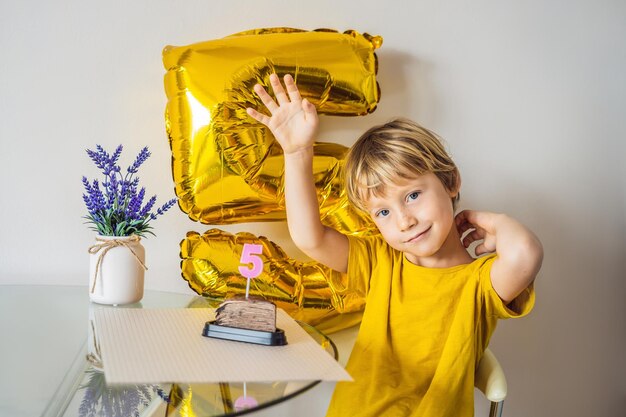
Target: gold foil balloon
{"type": "Point", "coordinates": [308, 291]}
{"type": "Point", "coordinates": [226, 166]}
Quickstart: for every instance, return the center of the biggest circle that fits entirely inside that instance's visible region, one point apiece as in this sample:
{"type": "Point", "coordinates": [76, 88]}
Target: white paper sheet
{"type": "Point", "coordinates": [166, 345]}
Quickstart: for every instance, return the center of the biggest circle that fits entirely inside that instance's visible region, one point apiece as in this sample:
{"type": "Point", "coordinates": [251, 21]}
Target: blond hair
{"type": "Point", "coordinates": [399, 149]}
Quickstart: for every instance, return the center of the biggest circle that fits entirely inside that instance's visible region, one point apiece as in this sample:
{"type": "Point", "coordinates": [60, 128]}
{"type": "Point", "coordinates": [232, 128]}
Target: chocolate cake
{"type": "Point", "coordinates": [251, 313]}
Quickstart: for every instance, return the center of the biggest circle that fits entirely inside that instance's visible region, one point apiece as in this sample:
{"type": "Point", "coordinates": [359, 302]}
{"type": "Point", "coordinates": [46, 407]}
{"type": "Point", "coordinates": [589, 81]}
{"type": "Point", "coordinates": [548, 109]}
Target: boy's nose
{"type": "Point", "coordinates": [406, 221]}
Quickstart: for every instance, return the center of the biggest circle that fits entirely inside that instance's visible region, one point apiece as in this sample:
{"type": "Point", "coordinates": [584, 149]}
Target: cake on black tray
{"type": "Point", "coordinates": [251, 320]}
{"type": "Point", "coordinates": [252, 313]}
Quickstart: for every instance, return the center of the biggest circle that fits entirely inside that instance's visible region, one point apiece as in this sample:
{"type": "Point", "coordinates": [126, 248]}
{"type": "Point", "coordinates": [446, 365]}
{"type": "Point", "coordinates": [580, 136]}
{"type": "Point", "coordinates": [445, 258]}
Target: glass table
{"type": "Point", "coordinates": [47, 332]}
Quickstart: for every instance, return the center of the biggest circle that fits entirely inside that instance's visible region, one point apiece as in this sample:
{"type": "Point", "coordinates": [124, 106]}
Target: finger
{"type": "Point", "coordinates": [267, 100]}
{"type": "Point", "coordinates": [292, 89]}
{"type": "Point", "coordinates": [309, 109]}
{"type": "Point", "coordinates": [471, 216]}
{"type": "Point", "coordinates": [461, 217]}
{"type": "Point", "coordinates": [472, 237]}
{"type": "Point", "coordinates": [259, 117]}
{"type": "Point", "coordinates": [279, 91]}
{"type": "Point", "coordinates": [464, 227]}
{"type": "Point", "coordinates": [481, 249]}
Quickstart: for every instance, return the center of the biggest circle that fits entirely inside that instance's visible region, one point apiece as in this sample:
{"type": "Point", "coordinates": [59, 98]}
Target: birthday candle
{"type": "Point", "coordinates": [250, 255]}
{"type": "Point", "coordinates": [244, 401]}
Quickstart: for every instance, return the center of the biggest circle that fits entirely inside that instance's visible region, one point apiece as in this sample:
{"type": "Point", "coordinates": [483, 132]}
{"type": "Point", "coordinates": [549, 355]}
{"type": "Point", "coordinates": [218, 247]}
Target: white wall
{"type": "Point", "coordinates": [529, 95]}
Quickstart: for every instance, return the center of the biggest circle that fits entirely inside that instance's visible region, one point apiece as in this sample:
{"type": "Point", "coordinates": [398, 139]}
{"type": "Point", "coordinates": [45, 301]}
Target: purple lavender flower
{"type": "Point", "coordinates": [144, 211]}
{"type": "Point", "coordinates": [86, 184]}
{"type": "Point", "coordinates": [165, 207]}
{"type": "Point", "coordinates": [116, 208]}
{"type": "Point", "coordinates": [116, 156]}
{"type": "Point", "coordinates": [161, 393]}
{"type": "Point", "coordinates": [112, 188]}
{"type": "Point", "coordinates": [91, 208]}
{"type": "Point", "coordinates": [141, 158]}
{"type": "Point", "coordinates": [97, 196]}
{"type": "Point", "coordinates": [132, 188]}
{"type": "Point", "coordinates": [128, 189]}
{"type": "Point", "coordinates": [100, 161]}
{"type": "Point", "coordinates": [115, 400]}
{"type": "Point", "coordinates": [134, 206]}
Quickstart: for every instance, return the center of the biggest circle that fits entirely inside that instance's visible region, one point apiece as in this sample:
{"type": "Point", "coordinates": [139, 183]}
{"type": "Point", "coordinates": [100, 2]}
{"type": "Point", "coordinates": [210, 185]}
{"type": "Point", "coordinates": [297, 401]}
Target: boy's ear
{"type": "Point", "coordinates": [456, 188]}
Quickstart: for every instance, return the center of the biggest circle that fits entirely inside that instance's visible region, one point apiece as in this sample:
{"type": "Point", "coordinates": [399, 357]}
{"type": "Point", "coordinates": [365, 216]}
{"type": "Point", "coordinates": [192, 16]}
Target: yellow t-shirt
{"type": "Point", "coordinates": [423, 332]}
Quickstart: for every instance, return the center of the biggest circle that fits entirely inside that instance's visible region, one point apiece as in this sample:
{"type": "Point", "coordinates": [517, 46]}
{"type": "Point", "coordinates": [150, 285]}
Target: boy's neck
{"type": "Point", "coordinates": [452, 253]}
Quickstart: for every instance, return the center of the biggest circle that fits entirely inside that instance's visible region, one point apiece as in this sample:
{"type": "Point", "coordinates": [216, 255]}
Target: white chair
{"type": "Point", "coordinates": [491, 381]}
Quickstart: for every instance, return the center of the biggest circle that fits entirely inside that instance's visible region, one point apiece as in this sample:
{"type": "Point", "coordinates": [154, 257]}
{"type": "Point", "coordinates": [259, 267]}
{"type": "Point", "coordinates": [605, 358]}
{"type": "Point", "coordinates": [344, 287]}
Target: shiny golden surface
{"type": "Point", "coordinates": [227, 167]}
{"type": "Point", "coordinates": [308, 291]}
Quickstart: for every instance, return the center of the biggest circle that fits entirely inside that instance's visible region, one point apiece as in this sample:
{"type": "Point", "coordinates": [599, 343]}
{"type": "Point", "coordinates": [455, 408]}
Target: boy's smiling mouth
{"type": "Point", "coordinates": [418, 236]}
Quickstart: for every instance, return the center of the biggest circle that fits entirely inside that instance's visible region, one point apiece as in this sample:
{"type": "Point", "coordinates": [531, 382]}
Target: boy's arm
{"type": "Point", "coordinates": [294, 123]}
{"type": "Point", "coordinates": [519, 251]}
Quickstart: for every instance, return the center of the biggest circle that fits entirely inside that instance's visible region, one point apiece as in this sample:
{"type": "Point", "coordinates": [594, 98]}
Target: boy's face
{"type": "Point", "coordinates": [416, 217]}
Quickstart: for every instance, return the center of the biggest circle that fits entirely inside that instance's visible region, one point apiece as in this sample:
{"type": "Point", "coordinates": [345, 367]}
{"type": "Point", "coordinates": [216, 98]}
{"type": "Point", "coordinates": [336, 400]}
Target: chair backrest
{"type": "Point", "coordinates": [490, 378]}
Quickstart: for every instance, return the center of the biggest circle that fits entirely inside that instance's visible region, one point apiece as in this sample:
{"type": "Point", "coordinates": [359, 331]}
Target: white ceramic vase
{"type": "Point", "coordinates": [116, 270]}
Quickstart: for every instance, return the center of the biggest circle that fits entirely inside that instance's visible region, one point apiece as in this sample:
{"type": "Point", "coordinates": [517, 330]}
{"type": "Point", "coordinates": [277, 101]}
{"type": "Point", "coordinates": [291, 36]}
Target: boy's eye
{"type": "Point", "coordinates": [382, 213]}
{"type": "Point", "coordinates": [413, 196]}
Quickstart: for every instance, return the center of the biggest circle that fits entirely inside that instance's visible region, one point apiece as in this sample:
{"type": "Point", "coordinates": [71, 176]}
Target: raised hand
{"type": "Point", "coordinates": [482, 227]}
{"type": "Point", "coordinates": [293, 120]}
{"type": "Point", "coordinates": [520, 252]}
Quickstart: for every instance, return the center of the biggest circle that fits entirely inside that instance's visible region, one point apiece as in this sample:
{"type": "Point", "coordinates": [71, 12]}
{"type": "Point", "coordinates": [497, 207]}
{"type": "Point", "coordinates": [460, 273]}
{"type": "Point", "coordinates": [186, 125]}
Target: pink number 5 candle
{"type": "Point", "coordinates": [250, 255]}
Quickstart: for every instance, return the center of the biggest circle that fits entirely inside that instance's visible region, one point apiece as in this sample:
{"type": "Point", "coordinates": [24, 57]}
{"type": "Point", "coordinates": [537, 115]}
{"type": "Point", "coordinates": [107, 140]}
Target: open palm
{"type": "Point", "coordinates": [293, 121]}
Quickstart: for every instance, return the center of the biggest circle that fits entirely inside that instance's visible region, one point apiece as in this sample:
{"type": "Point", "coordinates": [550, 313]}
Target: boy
{"type": "Point", "coordinates": [431, 308]}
